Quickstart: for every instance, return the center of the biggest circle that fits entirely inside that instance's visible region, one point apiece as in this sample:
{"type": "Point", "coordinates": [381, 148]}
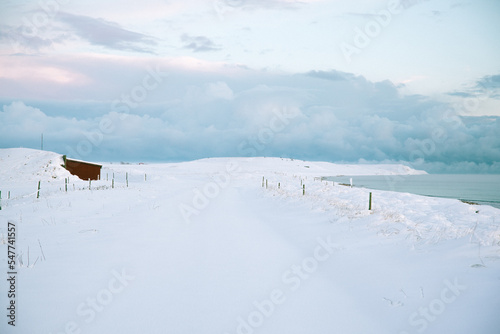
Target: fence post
{"type": "Point", "coordinates": [370, 202]}
{"type": "Point", "coordinates": [38, 192]}
{"type": "Point", "coordinates": [303, 189]}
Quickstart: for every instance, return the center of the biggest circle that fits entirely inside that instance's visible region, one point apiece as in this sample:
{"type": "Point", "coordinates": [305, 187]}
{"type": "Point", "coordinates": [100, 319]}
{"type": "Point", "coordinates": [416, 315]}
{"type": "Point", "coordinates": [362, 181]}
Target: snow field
{"type": "Point", "coordinates": [246, 259]}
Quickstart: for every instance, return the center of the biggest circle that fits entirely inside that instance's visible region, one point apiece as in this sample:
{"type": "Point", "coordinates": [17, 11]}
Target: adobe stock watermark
{"type": "Point", "coordinates": [440, 133]}
{"type": "Point", "coordinates": [452, 118]}
{"type": "Point", "coordinates": [248, 147]}
{"type": "Point", "coordinates": [211, 190]}
{"type": "Point", "coordinates": [373, 28]}
{"type": "Point", "coordinates": [256, 143]}
{"type": "Point", "coordinates": [41, 18]}
{"type": "Point", "coordinates": [89, 309]}
{"type": "Point", "coordinates": [293, 279]}
{"type": "Point", "coordinates": [33, 24]}
{"type": "Point", "coordinates": [123, 106]}
{"type": "Point", "coordinates": [424, 316]}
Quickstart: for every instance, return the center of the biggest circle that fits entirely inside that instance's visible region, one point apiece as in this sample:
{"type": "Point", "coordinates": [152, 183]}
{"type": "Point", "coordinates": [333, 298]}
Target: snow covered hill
{"type": "Point", "coordinates": [27, 164]}
{"type": "Point", "coordinates": [206, 247]}
{"type": "Point", "coordinates": [298, 167]}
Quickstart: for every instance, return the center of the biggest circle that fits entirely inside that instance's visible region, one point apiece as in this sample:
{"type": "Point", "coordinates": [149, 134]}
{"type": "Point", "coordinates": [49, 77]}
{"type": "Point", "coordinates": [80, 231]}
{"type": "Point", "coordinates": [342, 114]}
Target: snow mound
{"type": "Point", "coordinates": [27, 164]}
{"type": "Point", "coordinates": [298, 167]}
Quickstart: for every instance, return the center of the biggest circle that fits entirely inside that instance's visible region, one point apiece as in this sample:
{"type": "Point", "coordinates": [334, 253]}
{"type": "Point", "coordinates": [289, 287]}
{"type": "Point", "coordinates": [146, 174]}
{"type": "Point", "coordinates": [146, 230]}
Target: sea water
{"type": "Point", "coordinates": [477, 188]}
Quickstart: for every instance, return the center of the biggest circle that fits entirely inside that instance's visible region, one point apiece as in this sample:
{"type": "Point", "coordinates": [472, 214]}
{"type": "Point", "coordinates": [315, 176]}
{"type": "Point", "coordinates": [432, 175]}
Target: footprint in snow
{"type": "Point", "coordinates": [394, 304]}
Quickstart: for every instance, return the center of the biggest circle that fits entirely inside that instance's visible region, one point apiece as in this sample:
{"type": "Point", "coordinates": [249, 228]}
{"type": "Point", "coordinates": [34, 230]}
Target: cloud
{"type": "Point", "coordinates": [107, 34]}
{"type": "Point", "coordinates": [199, 43]}
{"type": "Point", "coordinates": [21, 126]}
{"type": "Point", "coordinates": [490, 81]}
{"type": "Point", "coordinates": [220, 90]}
{"type": "Point", "coordinates": [490, 85]}
{"type": "Point", "coordinates": [331, 75]}
{"type": "Point", "coordinates": [303, 116]}
{"type": "Point", "coordinates": [19, 40]}
{"type": "Point", "coordinates": [461, 94]}
{"type": "Point", "coordinates": [201, 109]}
{"type": "Point", "coordinates": [28, 39]}
{"type": "Point", "coordinates": [255, 4]}
{"type": "Point", "coordinates": [225, 7]}
{"type": "Point", "coordinates": [487, 86]}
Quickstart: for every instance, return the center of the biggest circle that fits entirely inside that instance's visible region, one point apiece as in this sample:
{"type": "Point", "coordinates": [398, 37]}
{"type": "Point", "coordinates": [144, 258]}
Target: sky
{"type": "Point", "coordinates": [412, 81]}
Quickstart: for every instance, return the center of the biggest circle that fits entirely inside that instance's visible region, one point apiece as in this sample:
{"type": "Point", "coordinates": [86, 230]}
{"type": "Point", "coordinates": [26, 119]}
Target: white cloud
{"type": "Point", "coordinates": [108, 34]}
{"type": "Point", "coordinates": [219, 90]}
{"type": "Point", "coordinates": [196, 115]}
{"type": "Point", "coordinates": [199, 43]}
